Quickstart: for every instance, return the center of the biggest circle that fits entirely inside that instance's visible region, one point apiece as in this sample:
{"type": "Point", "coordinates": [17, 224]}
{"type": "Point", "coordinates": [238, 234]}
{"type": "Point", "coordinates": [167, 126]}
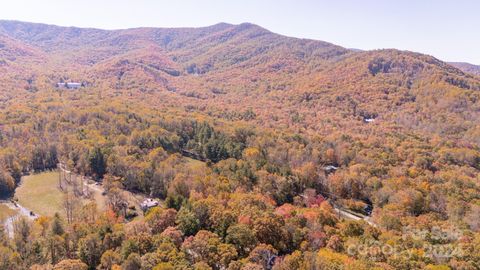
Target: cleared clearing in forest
{"type": "Point", "coordinates": [40, 193]}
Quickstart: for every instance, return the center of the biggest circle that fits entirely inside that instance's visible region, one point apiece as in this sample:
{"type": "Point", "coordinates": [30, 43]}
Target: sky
{"type": "Point", "coordinates": [446, 29]}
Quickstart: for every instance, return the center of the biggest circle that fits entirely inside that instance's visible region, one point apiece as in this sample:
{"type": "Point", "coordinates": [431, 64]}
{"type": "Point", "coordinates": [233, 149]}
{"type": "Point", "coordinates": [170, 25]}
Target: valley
{"type": "Point", "coordinates": [262, 151]}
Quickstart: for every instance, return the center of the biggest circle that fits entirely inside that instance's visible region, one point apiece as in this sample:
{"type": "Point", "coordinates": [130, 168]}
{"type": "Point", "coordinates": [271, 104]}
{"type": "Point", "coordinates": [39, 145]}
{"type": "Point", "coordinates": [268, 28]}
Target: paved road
{"type": "Point", "coordinates": [133, 199]}
{"type": "Point", "coordinates": [349, 215]}
{"type": "Point", "coordinates": [337, 209]}
{"type": "Point", "coordinates": [21, 211]}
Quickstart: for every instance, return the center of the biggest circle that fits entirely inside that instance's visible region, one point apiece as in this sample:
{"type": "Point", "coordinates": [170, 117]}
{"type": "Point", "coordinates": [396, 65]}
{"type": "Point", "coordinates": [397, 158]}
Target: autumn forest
{"type": "Point", "coordinates": [260, 151]}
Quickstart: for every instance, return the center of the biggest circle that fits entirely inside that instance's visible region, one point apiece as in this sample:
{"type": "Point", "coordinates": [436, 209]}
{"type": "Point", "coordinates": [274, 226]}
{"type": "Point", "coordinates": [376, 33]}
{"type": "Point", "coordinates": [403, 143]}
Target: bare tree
{"type": "Point", "coordinates": [117, 201]}
{"type": "Point", "coordinates": [70, 204]}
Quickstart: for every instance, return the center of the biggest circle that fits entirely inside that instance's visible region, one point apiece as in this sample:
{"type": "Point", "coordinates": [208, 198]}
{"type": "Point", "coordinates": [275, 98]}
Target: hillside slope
{"type": "Point", "coordinates": [226, 70]}
{"type": "Point", "coordinates": [255, 143]}
{"type": "Point", "coordinates": [467, 67]}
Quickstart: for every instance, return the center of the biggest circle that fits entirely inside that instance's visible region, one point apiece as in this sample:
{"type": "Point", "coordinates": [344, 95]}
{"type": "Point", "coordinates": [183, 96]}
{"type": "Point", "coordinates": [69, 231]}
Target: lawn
{"type": "Point", "coordinates": [40, 194]}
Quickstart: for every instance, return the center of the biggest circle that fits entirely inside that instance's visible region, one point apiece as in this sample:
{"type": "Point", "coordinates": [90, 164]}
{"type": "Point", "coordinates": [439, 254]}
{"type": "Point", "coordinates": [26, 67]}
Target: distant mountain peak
{"type": "Point", "coordinates": [467, 67]}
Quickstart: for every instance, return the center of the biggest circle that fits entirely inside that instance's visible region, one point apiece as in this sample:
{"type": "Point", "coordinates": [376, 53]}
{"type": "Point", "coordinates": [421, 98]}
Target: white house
{"type": "Point", "coordinates": [330, 169]}
{"type": "Point", "coordinates": [369, 120]}
{"type": "Point", "coordinates": [148, 203]}
{"type": "Point", "coordinates": [70, 85]}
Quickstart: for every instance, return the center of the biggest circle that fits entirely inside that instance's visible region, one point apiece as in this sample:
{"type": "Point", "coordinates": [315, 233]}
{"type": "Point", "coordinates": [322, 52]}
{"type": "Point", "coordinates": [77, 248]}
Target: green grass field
{"type": "Point", "coordinates": [39, 193]}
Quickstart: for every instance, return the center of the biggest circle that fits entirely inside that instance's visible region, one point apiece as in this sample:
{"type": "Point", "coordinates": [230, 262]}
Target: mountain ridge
{"type": "Point", "coordinates": [226, 67]}
{"type": "Point", "coordinates": [467, 67]}
{"type": "Point", "coordinates": [257, 147]}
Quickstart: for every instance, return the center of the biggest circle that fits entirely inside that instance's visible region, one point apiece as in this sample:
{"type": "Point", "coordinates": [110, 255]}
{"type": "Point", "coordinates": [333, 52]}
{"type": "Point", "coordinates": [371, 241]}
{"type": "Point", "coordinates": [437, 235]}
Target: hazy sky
{"type": "Point", "coordinates": [449, 30]}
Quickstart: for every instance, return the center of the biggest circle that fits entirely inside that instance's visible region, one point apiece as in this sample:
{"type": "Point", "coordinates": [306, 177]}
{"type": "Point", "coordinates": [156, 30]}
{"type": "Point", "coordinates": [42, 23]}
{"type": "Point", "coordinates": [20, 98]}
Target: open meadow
{"type": "Point", "coordinates": [40, 193]}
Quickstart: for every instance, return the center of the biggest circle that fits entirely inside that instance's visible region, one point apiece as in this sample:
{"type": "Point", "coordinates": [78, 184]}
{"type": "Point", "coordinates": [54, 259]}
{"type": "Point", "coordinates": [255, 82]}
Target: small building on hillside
{"type": "Point", "coordinates": [330, 169]}
{"type": "Point", "coordinates": [368, 120]}
{"type": "Point", "coordinates": [148, 203]}
{"type": "Point", "coordinates": [70, 85]}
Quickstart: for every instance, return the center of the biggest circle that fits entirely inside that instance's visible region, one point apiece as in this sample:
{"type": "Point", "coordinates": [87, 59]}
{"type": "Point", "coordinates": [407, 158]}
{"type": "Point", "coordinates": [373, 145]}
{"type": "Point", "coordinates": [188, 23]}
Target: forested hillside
{"type": "Point", "coordinates": [289, 134]}
{"type": "Point", "coordinates": [466, 67]}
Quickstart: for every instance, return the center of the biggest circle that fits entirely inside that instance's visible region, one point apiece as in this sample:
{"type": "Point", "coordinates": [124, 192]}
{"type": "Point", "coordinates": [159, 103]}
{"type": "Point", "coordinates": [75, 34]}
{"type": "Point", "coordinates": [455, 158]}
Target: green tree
{"type": "Point", "coordinates": [57, 226]}
{"type": "Point", "coordinates": [242, 237]}
{"type": "Point", "coordinates": [7, 182]}
{"type": "Point", "coordinates": [187, 222]}
{"type": "Point", "coordinates": [97, 162]}
{"type": "Point", "coordinates": [109, 259]}
{"type": "Point", "coordinates": [90, 250]}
